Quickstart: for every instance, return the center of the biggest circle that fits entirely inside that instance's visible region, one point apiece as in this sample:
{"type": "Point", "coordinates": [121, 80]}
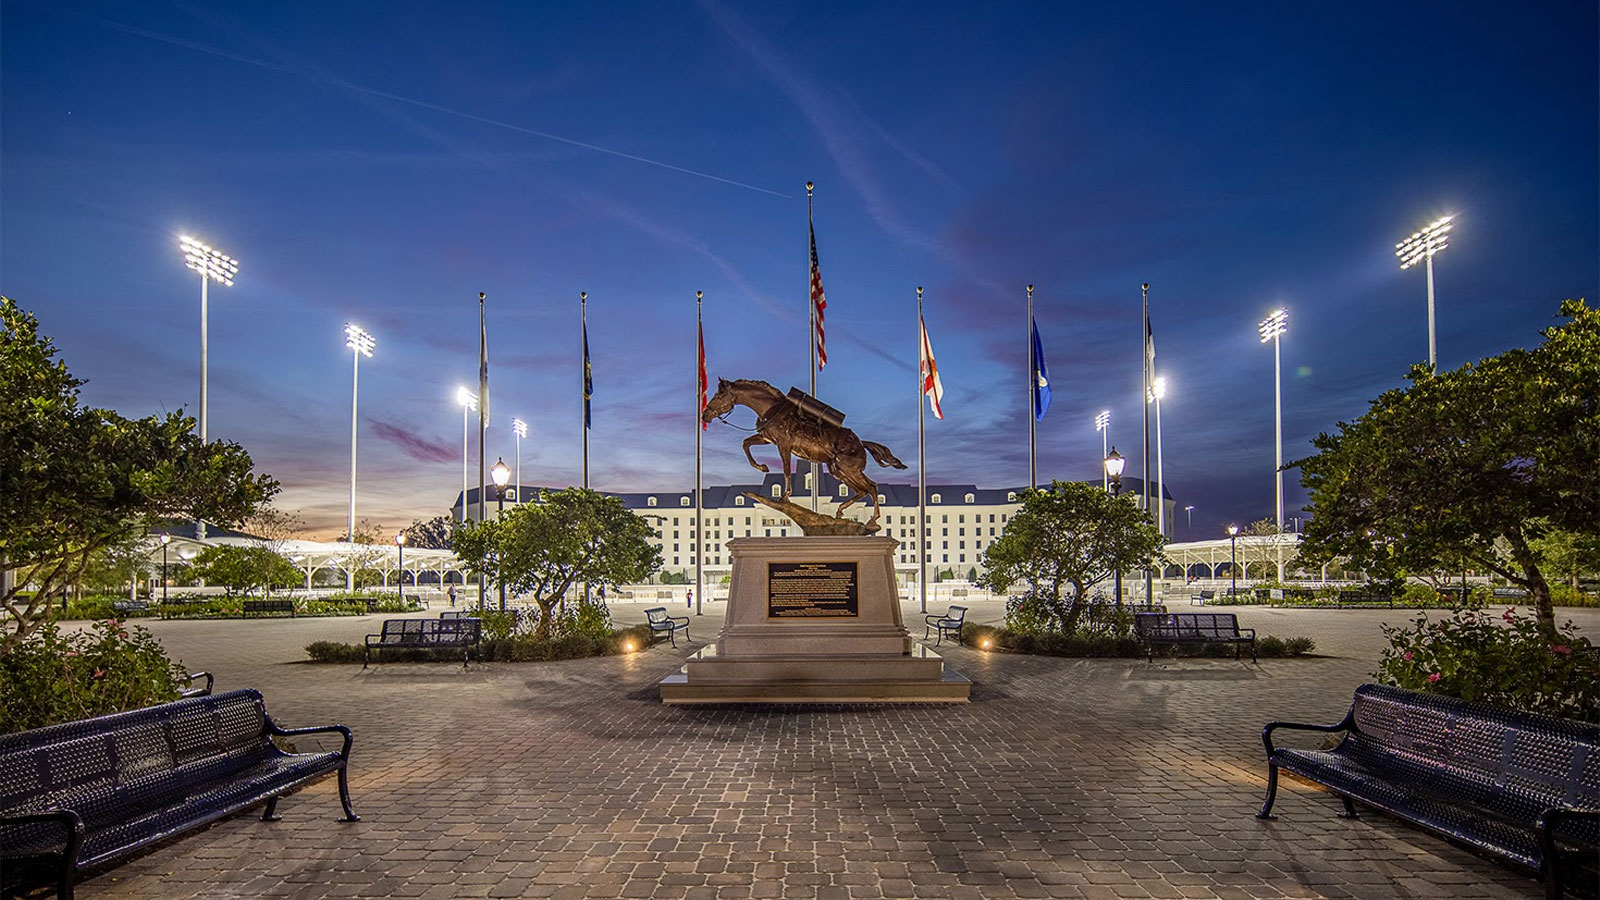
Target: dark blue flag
{"type": "Point", "coordinates": [1041, 378]}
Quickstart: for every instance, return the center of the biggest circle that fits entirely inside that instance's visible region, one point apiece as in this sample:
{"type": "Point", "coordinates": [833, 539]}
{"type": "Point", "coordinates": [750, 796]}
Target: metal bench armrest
{"type": "Point", "coordinates": [1343, 725]}
{"type": "Point", "coordinates": [1252, 632]}
{"type": "Point", "coordinates": [684, 619]}
{"type": "Point", "coordinates": [199, 692]}
{"type": "Point", "coordinates": [275, 729]}
{"type": "Point", "coordinates": [70, 822]}
{"type": "Point", "coordinates": [1552, 818]}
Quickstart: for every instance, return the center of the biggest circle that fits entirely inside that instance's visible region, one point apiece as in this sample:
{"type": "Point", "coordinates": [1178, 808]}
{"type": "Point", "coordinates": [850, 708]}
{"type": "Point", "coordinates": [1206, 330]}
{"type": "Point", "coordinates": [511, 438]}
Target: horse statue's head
{"type": "Point", "coordinates": [721, 403]}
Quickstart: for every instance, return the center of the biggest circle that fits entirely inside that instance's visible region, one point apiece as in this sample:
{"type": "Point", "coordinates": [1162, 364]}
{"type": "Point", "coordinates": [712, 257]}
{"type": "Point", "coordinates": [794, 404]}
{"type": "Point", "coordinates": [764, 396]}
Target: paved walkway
{"type": "Point", "coordinates": [1063, 778]}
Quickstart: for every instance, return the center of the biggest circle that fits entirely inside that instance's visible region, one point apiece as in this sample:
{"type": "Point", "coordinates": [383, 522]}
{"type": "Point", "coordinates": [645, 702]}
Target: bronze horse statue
{"type": "Point", "coordinates": [782, 422]}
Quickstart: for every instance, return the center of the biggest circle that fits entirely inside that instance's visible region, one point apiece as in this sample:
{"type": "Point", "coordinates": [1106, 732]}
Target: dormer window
{"type": "Point", "coordinates": [970, 498]}
{"type": "Point", "coordinates": [777, 490]}
{"type": "Point", "coordinates": [1011, 496]}
{"type": "Point", "coordinates": [683, 501]}
{"type": "Point", "coordinates": [650, 501]}
{"type": "Point", "coordinates": [882, 500]}
{"type": "Point", "coordinates": [844, 490]}
{"type": "Point", "coordinates": [935, 498]}
{"type": "Point", "coordinates": [739, 500]}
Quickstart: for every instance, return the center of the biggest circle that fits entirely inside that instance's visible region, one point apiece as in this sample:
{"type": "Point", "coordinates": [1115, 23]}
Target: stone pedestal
{"type": "Point", "coordinates": [814, 619]}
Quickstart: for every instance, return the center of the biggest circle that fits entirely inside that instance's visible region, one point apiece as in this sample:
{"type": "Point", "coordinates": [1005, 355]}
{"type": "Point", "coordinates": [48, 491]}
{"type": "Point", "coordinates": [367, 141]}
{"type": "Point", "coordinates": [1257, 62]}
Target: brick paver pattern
{"type": "Point", "coordinates": [1062, 778]}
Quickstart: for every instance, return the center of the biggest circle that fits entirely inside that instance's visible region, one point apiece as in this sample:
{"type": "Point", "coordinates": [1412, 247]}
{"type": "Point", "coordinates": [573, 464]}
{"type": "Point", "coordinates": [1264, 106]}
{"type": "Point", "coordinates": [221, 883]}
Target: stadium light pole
{"type": "Point", "coordinates": [1272, 329]}
{"type": "Point", "coordinates": [469, 402]}
{"type": "Point", "coordinates": [1158, 389]}
{"type": "Point", "coordinates": [1420, 247]}
{"type": "Point", "coordinates": [520, 429]}
{"type": "Point", "coordinates": [361, 344]}
{"type": "Point", "coordinates": [1102, 424]}
{"type": "Point", "coordinates": [213, 265]}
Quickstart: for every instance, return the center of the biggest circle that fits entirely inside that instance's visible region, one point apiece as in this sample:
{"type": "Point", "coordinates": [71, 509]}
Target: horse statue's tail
{"type": "Point", "coordinates": [882, 455]}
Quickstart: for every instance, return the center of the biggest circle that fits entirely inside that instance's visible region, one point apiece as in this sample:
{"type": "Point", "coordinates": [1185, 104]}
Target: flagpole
{"type": "Point", "coordinates": [1033, 387]}
{"type": "Point", "coordinates": [1144, 401]}
{"type": "Point", "coordinates": [812, 302]}
{"type": "Point", "coordinates": [583, 321]}
{"type": "Point", "coordinates": [699, 512]}
{"type": "Point", "coordinates": [922, 471]}
{"type": "Point", "coordinates": [483, 427]}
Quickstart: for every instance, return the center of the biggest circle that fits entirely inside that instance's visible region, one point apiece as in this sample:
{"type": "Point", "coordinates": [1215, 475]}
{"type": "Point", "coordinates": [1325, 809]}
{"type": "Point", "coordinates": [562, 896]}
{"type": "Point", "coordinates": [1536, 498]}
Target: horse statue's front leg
{"type": "Point", "coordinates": [752, 441]}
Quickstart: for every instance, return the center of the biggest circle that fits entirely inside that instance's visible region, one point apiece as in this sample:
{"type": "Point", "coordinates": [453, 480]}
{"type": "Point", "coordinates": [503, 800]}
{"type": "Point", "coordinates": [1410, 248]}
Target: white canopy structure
{"type": "Point", "coordinates": [310, 557]}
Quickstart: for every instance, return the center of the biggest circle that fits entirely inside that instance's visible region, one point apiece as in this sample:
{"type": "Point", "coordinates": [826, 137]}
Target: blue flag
{"type": "Point", "coordinates": [588, 378]}
{"type": "Point", "coordinates": [1041, 378]}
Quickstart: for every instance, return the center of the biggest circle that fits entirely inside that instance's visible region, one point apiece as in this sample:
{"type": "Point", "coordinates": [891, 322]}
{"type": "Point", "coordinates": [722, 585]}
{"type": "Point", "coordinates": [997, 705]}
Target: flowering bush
{"type": "Point", "coordinates": [1506, 661]}
{"type": "Point", "coordinates": [51, 677]}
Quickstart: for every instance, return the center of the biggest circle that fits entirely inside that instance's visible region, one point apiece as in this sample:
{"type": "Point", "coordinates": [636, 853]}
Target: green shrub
{"type": "Point", "coordinates": [513, 647]}
{"type": "Point", "coordinates": [334, 652]}
{"type": "Point", "coordinates": [51, 677]}
{"type": "Point", "coordinates": [1567, 595]}
{"type": "Point", "coordinates": [1124, 645]}
{"type": "Point", "coordinates": [92, 607]}
{"type": "Point", "coordinates": [1509, 663]}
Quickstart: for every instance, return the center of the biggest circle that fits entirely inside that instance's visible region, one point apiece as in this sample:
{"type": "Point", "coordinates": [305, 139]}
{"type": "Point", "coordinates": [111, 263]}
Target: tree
{"type": "Point", "coordinates": [430, 534]}
{"type": "Point", "coordinates": [1064, 540]}
{"type": "Point", "coordinates": [1569, 554]}
{"type": "Point", "coordinates": [1261, 554]}
{"type": "Point", "coordinates": [542, 549]}
{"type": "Point", "coordinates": [241, 569]}
{"type": "Point", "coordinates": [76, 480]}
{"type": "Point", "coordinates": [1476, 464]}
{"type": "Point", "coordinates": [371, 547]}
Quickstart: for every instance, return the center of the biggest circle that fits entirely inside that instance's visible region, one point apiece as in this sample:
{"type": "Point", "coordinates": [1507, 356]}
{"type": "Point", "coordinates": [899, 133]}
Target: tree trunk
{"type": "Point", "coordinates": [1538, 588]}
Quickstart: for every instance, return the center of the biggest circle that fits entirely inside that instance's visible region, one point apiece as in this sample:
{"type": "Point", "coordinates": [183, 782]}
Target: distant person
{"type": "Point", "coordinates": [452, 595]}
{"type": "Point", "coordinates": [690, 603]}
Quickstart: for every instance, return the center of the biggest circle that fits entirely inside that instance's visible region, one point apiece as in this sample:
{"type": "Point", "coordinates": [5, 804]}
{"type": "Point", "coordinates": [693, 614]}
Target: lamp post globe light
{"type": "Point", "coordinates": [1272, 329]}
{"type": "Point", "coordinates": [1113, 469]}
{"type": "Point", "coordinates": [469, 402]}
{"type": "Point", "coordinates": [400, 578]}
{"type": "Point", "coordinates": [1233, 558]}
{"type": "Point", "coordinates": [501, 473]}
{"type": "Point", "coordinates": [361, 344]}
{"type": "Point", "coordinates": [213, 265]}
{"type": "Point", "coordinates": [1102, 424]}
{"type": "Point", "coordinates": [1420, 247]}
{"type": "Point", "coordinates": [165, 540]}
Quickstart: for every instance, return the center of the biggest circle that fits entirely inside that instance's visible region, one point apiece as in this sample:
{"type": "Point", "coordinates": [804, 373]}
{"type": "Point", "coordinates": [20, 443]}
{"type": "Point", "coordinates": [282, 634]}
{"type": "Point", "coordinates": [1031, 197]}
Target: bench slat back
{"type": "Point", "coordinates": [656, 615]}
{"type": "Point", "coordinates": [99, 760]}
{"type": "Point", "coordinates": [1187, 626]}
{"type": "Point", "coordinates": [1517, 764]}
{"type": "Point", "coordinates": [956, 614]}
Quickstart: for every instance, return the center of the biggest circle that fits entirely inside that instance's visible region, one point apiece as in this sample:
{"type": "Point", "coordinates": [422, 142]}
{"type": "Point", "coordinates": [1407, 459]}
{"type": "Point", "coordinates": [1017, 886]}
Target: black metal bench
{"type": "Point", "coordinates": [1202, 598]}
{"type": "Point", "coordinates": [949, 623]}
{"type": "Point", "coordinates": [1520, 786]}
{"type": "Point", "coordinates": [1365, 598]}
{"type": "Point", "coordinates": [426, 634]}
{"type": "Point", "coordinates": [1193, 628]}
{"type": "Point", "coordinates": [264, 607]}
{"type": "Point", "coordinates": [661, 623]}
{"type": "Point", "coordinates": [88, 793]}
{"type": "Point", "coordinates": [128, 607]}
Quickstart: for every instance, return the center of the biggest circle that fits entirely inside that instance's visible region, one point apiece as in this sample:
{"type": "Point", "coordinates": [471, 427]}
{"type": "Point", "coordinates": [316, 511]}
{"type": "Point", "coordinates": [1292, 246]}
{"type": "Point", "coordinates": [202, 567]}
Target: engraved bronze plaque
{"type": "Point", "coordinates": [812, 590]}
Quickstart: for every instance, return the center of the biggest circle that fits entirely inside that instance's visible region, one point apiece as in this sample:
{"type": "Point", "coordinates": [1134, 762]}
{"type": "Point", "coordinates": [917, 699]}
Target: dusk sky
{"type": "Point", "coordinates": [383, 163]}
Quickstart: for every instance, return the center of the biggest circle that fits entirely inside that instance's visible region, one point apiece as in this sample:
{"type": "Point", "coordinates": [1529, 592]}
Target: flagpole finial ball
{"type": "Point", "coordinates": [583, 295]}
{"type": "Point", "coordinates": [810, 187]}
{"type": "Point", "coordinates": [919, 290]}
{"type": "Point", "coordinates": [1145, 286]}
{"type": "Point", "coordinates": [482, 295]}
{"type": "Point", "coordinates": [699, 294]}
{"type": "Point", "coordinates": [1030, 288]}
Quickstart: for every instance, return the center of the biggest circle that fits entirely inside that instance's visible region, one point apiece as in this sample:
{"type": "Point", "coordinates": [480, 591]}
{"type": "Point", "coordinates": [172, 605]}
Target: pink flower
{"type": "Point", "coordinates": [1409, 655]}
{"type": "Point", "coordinates": [1507, 614]}
{"type": "Point", "coordinates": [1561, 649]}
{"type": "Point", "coordinates": [99, 673]}
{"type": "Point", "coordinates": [1434, 676]}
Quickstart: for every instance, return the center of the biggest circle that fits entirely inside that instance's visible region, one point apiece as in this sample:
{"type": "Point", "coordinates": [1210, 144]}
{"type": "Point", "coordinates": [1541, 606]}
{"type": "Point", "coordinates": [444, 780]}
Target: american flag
{"type": "Point", "coordinates": [703, 423]}
{"type": "Point", "coordinates": [819, 301]}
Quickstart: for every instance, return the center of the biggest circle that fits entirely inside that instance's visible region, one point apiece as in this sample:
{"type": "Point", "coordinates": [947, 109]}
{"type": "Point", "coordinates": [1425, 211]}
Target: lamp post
{"type": "Point", "coordinates": [213, 265]}
{"type": "Point", "coordinates": [1233, 558]}
{"type": "Point", "coordinates": [165, 540]}
{"type": "Point", "coordinates": [1113, 470]}
{"type": "Point", "coordinates": [400, 551]}
{"type": "Point", "coordinates": [1190, 529]}
{"type": "Point", "coordinates": [1102, 424]}
{"type": "Point", "coordinates": [469, 402]}
{"type": "Point", "coordinates": [501, 473]}
{"type": "Point", "coordinates": [1421, 246]}
{"type": "Point", "coordinates": [361, 344]}
{"type": "Point", "coordinates": [1158, 389]}
{"type": "Point", "coordinates": [520, 429]}
{"type": "Point", "coordinates": [1272, 329]}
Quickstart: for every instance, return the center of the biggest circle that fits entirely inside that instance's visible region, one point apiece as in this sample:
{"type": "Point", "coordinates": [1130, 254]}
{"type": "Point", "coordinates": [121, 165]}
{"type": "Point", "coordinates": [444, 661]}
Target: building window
{"type": "Point", "coordinates": [844, 490]}
{"type": "Point", "coordinates": [934, 498]}
{"type": "Point", "coordinates": [650, 501]}
{"type": "Point", "coordinates": [970, 498]}
{"type": "Point", "coordinates": [991, 517]}
{"type": "Point", "coordinates": [1011, 496]}
{"type": "Point", "coordinates": [739, 500]}
{"type": "Point", "coordinates": [881, 500]}
{"type": "Point", "coordinates": [777, 490]}
{"type": "Point", "coordinates": [684, 501]}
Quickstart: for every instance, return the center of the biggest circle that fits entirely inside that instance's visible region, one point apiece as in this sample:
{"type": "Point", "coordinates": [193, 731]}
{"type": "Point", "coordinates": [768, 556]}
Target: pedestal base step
{"type": "Point", "coordinates": [919, 677]}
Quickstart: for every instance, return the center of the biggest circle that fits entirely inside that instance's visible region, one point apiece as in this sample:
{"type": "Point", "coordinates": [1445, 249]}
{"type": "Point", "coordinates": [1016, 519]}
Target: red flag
{"type": "Point", "coordinates": [703, 423]}
{"type": "Point", "coordinates": [819, 301]}
{"type": "Point", "coordinates": [932, 387]}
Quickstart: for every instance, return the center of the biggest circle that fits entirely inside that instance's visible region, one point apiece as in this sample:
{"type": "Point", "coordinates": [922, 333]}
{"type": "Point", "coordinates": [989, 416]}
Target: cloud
{"type": "Point", "coordinates": [406, 438]}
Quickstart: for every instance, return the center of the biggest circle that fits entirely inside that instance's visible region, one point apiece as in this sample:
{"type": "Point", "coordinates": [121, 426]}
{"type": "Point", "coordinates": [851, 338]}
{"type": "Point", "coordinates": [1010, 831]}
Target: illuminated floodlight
{"type": "Point", "coordinates": [209, 262]}
{"type": "Point", "coordinates": [1425, 243]}
{"type": "Point", "coordinates": [466, 398]}
{"type": "Point", "coordinates": [358, 340]}
{"type": "Point", "coordinates": [1103, 420]}
{"type": "Point", "coordinates": [519, 428]}
{"type": "Point", "coordinates": [1274, 325]}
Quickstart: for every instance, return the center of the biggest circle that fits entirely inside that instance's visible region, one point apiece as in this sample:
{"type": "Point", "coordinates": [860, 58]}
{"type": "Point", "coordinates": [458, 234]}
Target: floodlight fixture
{"type": "Point", "coordinates": [1274, 325]}
{"type": "Point", "coordinates": [1102, 420]}
{"type": "Point", "coordinates": [466, 398]}
{"type": "Point", "coordinates": [358, 340]}
{"type": "Point", "coordinates": [519, 428]}
{"type": "Point", "coordinates": [1435, 236]}
{"type": "Point", "coordinates": [211, 263]}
